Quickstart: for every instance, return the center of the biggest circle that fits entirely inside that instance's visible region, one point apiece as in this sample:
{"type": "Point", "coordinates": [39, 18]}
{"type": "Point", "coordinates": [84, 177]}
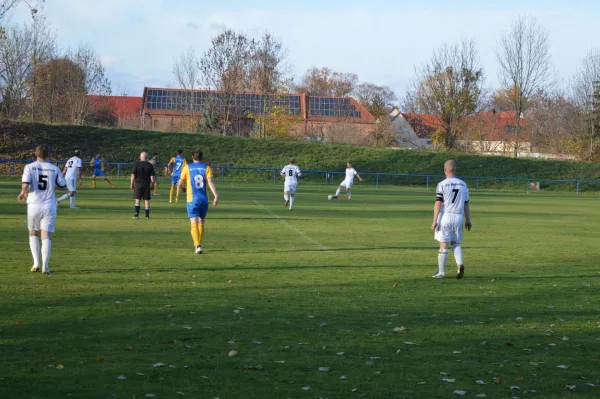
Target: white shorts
{"type": "Point", "coordinates": [290, 188]}
{"type": "Point", "coordinates": [72, 184]}
{"type": "Point", "coordinates": [41, 217]}
{"type": "Point", "coordinates": [450, 228]}
{"type": "Point", "coordinates": [347, 183]}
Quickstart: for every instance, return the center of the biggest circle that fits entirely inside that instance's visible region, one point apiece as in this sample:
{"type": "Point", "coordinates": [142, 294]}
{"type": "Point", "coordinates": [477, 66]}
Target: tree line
{"type": "Point", "coordinates": [41, 82]}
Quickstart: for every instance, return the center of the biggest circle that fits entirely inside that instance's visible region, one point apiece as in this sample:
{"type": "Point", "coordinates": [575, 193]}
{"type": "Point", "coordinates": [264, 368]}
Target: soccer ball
{"type": "Point", "coordinates": [330, 197]}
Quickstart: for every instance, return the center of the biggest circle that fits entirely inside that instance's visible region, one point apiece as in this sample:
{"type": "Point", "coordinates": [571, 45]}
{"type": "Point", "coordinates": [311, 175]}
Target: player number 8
{"type": "Point", "coordinates": [199, 181]}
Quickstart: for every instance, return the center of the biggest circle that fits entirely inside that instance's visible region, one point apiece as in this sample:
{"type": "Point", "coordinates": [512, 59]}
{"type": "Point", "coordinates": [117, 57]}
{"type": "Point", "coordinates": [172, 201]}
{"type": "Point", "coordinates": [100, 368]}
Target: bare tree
{"type": "Point", "coordinates": [327, 83]}
{"type": "Point", "coordinates": [585, 93]}
{"type": "Point", "coordinates": [376, 99]}
{"type": "Point", "coordinates": [525, 66]}
{"type": "Point", "coordinates": [80, 87]}
{"type": "Point", "coordinates": [269, 74]}
{"type": "Point", "coordinates": [6, 6]}
{"type": "Point", "coordinates": [187, 77]}
{"type": "Point", "coordinates": [15, 67]}
{"type": "Point", "coordinates": [224, 67]}
{"type": "Point", "coordinates": [450, 85]}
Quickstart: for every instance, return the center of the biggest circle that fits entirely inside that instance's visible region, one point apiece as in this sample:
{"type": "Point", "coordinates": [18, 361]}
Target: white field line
{"type": "Point", "coordinates": [295, 229]}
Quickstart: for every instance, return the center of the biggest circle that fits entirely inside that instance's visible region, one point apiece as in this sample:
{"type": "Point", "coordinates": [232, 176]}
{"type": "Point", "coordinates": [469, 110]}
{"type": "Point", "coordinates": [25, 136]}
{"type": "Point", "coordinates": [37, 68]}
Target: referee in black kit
{"type": "Point", "coordinates": [142, 176]}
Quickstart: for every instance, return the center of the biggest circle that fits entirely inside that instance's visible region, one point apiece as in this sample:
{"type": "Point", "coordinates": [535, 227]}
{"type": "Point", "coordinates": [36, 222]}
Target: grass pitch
{"type": "Point", "coordinates": [333, 299]}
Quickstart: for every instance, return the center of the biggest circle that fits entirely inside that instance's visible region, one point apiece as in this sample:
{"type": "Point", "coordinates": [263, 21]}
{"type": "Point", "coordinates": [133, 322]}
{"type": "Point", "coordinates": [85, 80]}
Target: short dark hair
{"type": "Point", "coordinates": [197, 155]}
{"type": "Point", "coordinates": [77, 153]}
{"type": "Point", "coordinates": [155, 154]}
{"type": "Point", "coordinates": [179, 152]}
{"type": "Point", "coordinates": [42, 151]}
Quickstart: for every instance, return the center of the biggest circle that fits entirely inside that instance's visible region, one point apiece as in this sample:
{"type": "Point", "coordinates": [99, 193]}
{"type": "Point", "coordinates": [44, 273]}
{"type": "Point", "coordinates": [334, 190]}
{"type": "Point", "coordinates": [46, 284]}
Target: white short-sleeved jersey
{"type": "Point", "coordinates": [43, 178]}
{"type": "Point", "coordinates": [454, 194]}
{"type": "Point", "coordinates": [73, 166]}
{"type": "Point", "coordinates": [291, 173]}
{"type": "Point", "coordinates": [350, 173]}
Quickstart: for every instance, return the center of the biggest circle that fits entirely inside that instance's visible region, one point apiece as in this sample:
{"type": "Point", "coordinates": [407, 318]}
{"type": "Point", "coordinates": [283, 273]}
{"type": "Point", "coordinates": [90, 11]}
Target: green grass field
{"type": "Point", "coordinates": [324, 285]}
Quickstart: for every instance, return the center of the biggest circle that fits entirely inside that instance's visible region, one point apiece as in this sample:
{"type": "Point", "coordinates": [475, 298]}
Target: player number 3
{"type": "Point", "coordinates": [199, 181]}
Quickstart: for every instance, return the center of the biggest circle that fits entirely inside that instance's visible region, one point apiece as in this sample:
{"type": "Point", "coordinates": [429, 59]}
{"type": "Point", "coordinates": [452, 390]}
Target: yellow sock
{"type": "Point", "coordinates": [93, 183]}
{"type": "Point", "coordinates": [201, 232]}
{"type": "Point", "coordinates": [171, 194]}
{"type": "Point", "coordinates": [195, 234]}
{"type": "Point", "coordinates": [108, 181]}
{"type": "Point", "coordinates": [177, 195]}
{"type": "Point", "coordinates": [155, 188]}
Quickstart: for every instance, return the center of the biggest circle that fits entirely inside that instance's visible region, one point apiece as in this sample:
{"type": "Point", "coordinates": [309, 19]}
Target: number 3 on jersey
{"type": "Point", "coordinates": [199, 181]}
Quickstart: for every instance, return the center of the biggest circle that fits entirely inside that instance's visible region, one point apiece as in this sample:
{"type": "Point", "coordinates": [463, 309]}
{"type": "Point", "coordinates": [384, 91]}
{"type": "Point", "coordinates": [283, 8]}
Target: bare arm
{"type": "Point", "coordinates": [211, 184]}
{"type": "Point", "coordinates": [359, 178]}
{"type": "Point", "coordinates": [436, 214]}
{"type": "Point", "coordinates": [131, 180]}
{"type": "Point", "coordinates": [24, 191]}
{"type": "Point", "coordinates": [468, 224]}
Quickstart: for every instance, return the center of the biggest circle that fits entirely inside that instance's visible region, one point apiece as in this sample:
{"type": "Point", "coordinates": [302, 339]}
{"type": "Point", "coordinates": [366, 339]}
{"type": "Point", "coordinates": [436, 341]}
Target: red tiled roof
{"type": "Point", "coordinates": [491, 126]}
{"type": "Point", "coordinates": [424, 124]}
{"type": "Point", "coordinates": [119, 105]}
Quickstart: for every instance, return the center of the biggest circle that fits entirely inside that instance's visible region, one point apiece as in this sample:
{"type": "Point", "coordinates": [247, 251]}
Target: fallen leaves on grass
{"type": "Point", "coordinates": [324, 369]}
{"type": "Point", "coordinates": [257, 367]}
{"type": "Point", "coordinates": [306, 388]}
{"type": "Point", "coordinates": [343, 377]}
{"type": "Point", "coordinates": [399, 329]}
{"type": "Point", "coordinates": [448, 380]}
{"type": "Point", "coordinates": [128, 347]}
{"type": "Point", "coordinates": [121, 377]}
{"type": "Point", "coordinates": [158, 365]}
{"type": "Point", "coordinates": [562, 366]}
{"type": "Point", "coordinates": [409, 343]}
{"type": "Point", "coordinates": [232, 353]}
{"type": "Point", "coordinates": [60, 367]}
{"type": "Point", "coordinates": [480, 382]}
{"type": "Point", "coordinates": [460, 392]}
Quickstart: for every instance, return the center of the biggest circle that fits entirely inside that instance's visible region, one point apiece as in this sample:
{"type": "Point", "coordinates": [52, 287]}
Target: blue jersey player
{"type": "Point", "coordinates": [175, 166]}
{"type": "Point", "coordinates": [193, 179]}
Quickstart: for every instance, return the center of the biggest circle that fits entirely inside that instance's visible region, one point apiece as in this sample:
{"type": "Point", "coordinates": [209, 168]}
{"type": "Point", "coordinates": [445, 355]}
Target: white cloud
{"type": "Point", "coordinates": [109, 61]}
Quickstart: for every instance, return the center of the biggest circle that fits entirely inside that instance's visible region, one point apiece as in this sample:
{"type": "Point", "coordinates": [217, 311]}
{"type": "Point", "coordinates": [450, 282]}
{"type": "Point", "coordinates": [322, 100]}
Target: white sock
{"type": "Point", "coordinates": [349, 195]}
{"type": "Point", "coordinates": [72, 201]}
{"type": "Point", "coordinates": [34, 244]}
{"type": "Point", "coordinates": [46, 249]}
{"type": "Point", "coordinates": [457, 249]}
{"type": "Point", "coordinates": [442, 258]}
{"type": "Point", "coordinates": [286, 197]}
{"type": "Point", "coordinates": [64, 197]}
{"type": "Point", "coordinates": [337, 192]}
{"type": "Point", "coordinates": [291, 201]}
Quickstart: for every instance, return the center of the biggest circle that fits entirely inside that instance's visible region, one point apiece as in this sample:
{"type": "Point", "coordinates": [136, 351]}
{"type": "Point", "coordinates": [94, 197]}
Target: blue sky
{"type": "Point", "coordinates": [381, 41]}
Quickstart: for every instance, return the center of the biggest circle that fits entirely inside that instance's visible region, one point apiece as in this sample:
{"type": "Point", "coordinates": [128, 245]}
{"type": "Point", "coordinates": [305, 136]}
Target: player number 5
{"type": "Point", "coordinates": [199, 181]}
{"type": "Point", "coordinates": [42, 182]}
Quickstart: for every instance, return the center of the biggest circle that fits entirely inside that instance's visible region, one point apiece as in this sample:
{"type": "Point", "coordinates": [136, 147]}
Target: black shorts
{"type": "Point", "coordinates": [141, 192]}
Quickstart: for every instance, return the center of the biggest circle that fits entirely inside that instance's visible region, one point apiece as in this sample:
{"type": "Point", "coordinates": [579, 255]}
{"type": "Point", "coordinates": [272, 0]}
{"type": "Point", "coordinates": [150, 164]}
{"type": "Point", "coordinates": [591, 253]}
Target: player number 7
{"type": "Point", "coordinates": [455, 191]}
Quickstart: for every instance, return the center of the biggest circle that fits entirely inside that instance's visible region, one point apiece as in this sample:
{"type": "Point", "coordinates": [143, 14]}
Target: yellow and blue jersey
{"type": "Point", "coordinates": [98, 163]}
{"type": "Point", "coordinates": [154, 162]}
{"type": "Point", "coordinates": [178, 163]}
{"type": "Point", "coordinates": [196, 175]}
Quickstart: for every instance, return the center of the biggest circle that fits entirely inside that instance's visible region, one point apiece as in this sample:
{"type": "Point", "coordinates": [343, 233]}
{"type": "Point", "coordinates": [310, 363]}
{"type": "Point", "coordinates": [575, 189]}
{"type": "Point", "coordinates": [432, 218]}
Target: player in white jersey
{"type": "Point", "coordinates": [451, 208]}
{"type": "Point", "coordinates": [72, 170]}
{"type": "Point", "coordinates": [39, 181]}
{"type": "Point", "coordinates": [291, 173]}
{"type": "Point", "coordinates": [348, 181]}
